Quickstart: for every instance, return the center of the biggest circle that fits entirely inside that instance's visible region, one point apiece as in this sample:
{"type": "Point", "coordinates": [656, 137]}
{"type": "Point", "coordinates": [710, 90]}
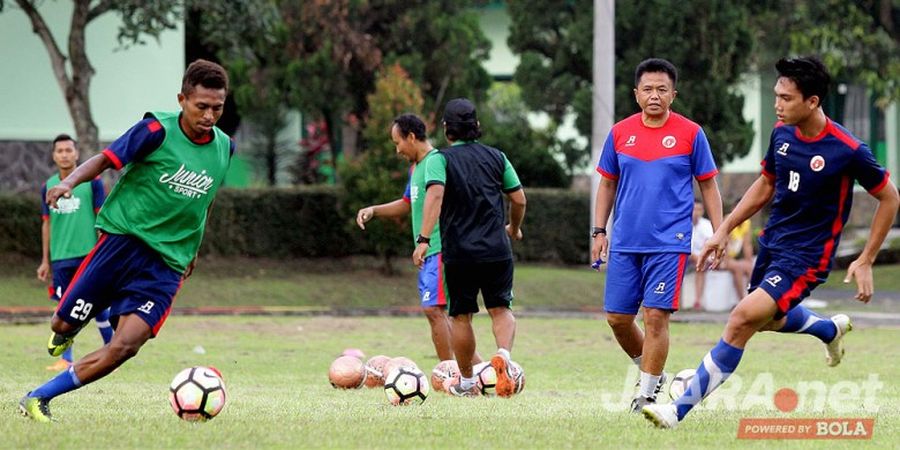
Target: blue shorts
{"type": "Point", "coordinates": [123, 274]}
{"type": "Point", "coordinates": [63, 271]}
{"type": "Point", "coordinates": [432, 286]}
{"type": "Point", "coordinates": [787, 278]}
{"type": "Point", "coordinates": [649, 279]}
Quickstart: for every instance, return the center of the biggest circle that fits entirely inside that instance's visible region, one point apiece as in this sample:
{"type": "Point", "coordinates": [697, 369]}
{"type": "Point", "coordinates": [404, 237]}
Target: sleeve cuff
{"type": "Point", "coordinates": [113, 158]}
{"type": "Point", "coordinates": [433, 182]}
{"type": "Point", "coordinates": [407, 199]}
{"type": "Point", "coordinates": [606, 174]}
{"type": "Point", "coordinates": [513, 189]}
{"type": "Point", "coordinates": [708, 175]}
{"type": "Point", "coordinates": [880, 186]}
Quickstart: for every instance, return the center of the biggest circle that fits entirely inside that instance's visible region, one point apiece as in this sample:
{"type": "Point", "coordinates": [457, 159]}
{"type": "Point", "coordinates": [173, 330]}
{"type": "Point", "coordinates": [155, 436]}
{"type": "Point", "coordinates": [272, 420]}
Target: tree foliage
{"type": "Point", "coordinates": [505, 124]}
{"type": "Point", "coordinates": [379, 175]}
{"type": "Point", "coordinates": [706, 39]}
{"type": "Point", "coordinates": [858, 41]}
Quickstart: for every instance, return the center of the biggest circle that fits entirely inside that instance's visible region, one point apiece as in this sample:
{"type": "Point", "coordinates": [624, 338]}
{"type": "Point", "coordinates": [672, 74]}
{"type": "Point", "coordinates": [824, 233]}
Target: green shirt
{"type": "Point", "coordinates": [72, 232]}
{"type": "Point", "coordinates": [163, 197]}
{"type": "Point", "coordinates": [415, 195]}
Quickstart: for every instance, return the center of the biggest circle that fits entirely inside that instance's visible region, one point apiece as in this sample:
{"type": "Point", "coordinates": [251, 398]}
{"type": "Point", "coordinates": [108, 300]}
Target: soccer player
{"type": "Point", "coordinates": [809, 171]}
{"type": "Point", "coordinates": [466, 184]}
{"type": "Point", "coordinates": [67, 234]}
{"type": "Point", "coordinates": [408, 134]}
{"type": "Point", "coordinates": [151, 227]}
{"type": "Point", "coordinates": [647, 168]}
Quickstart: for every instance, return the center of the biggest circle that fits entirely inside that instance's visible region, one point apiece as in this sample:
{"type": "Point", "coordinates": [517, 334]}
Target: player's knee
{"type": "Point", "coordinates": [60, 326]}
{"type": "Point", "coordinates": [619, 322]}
{"type": "Point", "coordinates": [435, 314]}
{"type": "Point", "coordinates": [122, 351]}
{"type": "Point", "coordinates": [656, 321]}
{"type": "Point", "coordinates": [741, 321]}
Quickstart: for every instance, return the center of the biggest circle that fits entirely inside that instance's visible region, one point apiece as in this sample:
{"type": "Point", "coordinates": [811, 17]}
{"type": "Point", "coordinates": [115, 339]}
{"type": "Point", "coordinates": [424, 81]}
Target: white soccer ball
{"type": "Point", "coordinates": [518, 376]}
{"type": "Point", "coordinates": [406, 385]}
{"type": "Point", "coordinates": [197, 393]}
{"type": "Point", "coordinates": [681, 382]}
{"type": "Point", "coordinates": [485, 378]}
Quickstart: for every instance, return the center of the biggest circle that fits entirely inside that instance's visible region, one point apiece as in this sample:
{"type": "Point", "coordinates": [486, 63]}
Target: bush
{"type": "Point", "coordinates": [20, 224]}
{"type": "Point", "coordinates": [308, 222]}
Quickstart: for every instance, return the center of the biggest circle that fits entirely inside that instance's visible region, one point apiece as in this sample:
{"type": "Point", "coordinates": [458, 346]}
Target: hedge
{"type": "Point", "coordinates": [309, 222]}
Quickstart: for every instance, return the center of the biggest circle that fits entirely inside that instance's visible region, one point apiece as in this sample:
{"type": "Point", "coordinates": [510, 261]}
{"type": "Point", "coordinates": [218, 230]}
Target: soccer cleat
{"type": "Point", "coordinates": [58, 344]}
{"type": "Point", "coordinates": [659, 384]}
{"type": "Point", "coordinates": [640, 401]}
{"type": "Point", "coordinates": [59, 365]}
{"type": "Point", "coordinates": [834, 350]}
{"type": "Point", "coordinates": [37, 409]}
{"type": "Point", "coordinates": [456, 390]}
{"type": "Point", "coordinates": [506, 385]}
{"type": "Point", "coordinates": [662, 416]}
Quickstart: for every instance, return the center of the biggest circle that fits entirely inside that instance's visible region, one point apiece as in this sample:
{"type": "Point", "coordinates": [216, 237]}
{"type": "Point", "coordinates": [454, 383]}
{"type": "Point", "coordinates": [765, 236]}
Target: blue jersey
{"type": "Point", "coordinates": [814, 190]}
{"type": "Point", "coordinates": [655, 168]}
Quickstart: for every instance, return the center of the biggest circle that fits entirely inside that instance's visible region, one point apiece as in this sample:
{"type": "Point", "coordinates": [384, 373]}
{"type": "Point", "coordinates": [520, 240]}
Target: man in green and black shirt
{"type": "Point", "coordinates": [466, 184]}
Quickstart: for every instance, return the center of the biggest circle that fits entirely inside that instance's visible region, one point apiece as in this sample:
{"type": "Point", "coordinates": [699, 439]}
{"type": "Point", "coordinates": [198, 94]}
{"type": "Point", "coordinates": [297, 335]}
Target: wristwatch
{"type": "Point", "coordinates": [423, 240]}
{"type": "Point", "coordinates": [597, 230]}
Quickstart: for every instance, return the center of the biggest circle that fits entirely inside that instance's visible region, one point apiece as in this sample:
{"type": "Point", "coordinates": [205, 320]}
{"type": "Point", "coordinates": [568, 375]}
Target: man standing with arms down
{"type": "Point", "coordinates": [808, 174]}
{"type": "Point", "coordinates": [67, 233]}
{"type": "Point", "coordinates": [151, 228]}
{"type": "Point", "coordinates": [648, 165]}
{"type": "Point", "coordinates": [465, 188]}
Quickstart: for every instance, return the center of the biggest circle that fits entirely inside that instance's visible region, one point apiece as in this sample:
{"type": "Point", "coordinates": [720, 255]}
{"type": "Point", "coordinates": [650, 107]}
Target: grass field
{"type": "Point", "coordinates": [275, 370]}
{"type": "Point", "coordinates": [357, 283]}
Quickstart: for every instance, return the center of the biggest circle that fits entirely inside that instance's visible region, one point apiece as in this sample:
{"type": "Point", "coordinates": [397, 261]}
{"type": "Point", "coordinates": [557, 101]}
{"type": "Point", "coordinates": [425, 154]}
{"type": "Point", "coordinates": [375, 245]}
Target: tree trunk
{"type": "Point", "coordinates": [76, 89]}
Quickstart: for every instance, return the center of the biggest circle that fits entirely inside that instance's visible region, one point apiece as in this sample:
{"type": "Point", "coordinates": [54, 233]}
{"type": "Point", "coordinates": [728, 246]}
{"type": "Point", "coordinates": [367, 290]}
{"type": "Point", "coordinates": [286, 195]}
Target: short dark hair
{"type": "Point", "coordinates": [655, 65]}
{"type": "Point", "coordinates": [204, 73]}
{"type": "Point", "coordinates": [62, 137]}
{"type": "Point", "coordinates": [808, 73]}
{"type": "Point", "coordinates": [410, 123]}
{"type": "Point", "coordinates": [462, 131]}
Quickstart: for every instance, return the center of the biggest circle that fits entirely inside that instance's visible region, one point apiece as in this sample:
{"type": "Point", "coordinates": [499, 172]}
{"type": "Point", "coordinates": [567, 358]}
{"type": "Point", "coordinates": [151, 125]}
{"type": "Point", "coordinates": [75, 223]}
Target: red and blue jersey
{"type": "Point", "coordinates": [814, 180]}
{"type": "Point", "coordinates": [655, 168]}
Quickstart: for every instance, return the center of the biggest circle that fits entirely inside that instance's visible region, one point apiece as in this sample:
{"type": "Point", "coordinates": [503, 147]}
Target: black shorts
{"type": "Point", "coordinates": [465, 280]}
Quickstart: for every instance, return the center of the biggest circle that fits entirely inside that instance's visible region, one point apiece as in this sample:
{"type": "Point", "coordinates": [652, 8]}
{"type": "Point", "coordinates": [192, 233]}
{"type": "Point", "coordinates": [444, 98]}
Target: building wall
{"type": "Point", "coordinates": [127, 82]}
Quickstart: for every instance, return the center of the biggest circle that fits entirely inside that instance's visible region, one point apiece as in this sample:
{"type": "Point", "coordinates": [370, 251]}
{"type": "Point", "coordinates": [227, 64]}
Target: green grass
{"type": "Point", "coordinates": [275, 370]}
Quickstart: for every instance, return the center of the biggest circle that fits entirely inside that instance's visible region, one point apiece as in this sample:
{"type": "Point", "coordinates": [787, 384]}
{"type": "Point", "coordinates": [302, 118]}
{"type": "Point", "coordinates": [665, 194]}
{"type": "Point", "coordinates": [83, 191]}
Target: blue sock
{"type": "Point", "coordinates": [67, 355]}
{"type": "Point", "coordinates": [103, 325]}
{"type": "Point", "coordinates": [64, 382]}
{"type": "Point", "coordinates": [802, 320]}
{"type": "Point", "coordinates": [716, 367]}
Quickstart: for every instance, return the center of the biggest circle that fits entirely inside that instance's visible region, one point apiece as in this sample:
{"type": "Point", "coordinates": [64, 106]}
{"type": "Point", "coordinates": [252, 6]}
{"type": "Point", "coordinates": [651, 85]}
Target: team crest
{"type": "Point", "coordinates": [669, 141]}
{"type": "Point", "coordinates": [817, 163]}
{"type": "Point", "coordinates": [630, 141]}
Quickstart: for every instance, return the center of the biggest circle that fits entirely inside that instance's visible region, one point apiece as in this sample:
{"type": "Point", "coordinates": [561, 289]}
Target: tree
{"type": "Point", "coordinates": [73, 71]}
{"type": "Point", "coordinates": [858, 41]}
{"type": "Point", "coordinates": [379, 175]}
{"type": "Point", "coordinates": [504, 122]}
{"type": "Point", "coordinates": [707, 40]}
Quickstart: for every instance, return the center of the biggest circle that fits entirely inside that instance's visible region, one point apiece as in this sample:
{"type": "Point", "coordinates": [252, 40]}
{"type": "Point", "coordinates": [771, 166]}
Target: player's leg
{"type": "Point", "coordinates": [463, 305]}
{"type": "Point", "coordinates": [103, 326]}
{"type": "Point", "coordinates": [496, 281]}
{"type": "Point", "coordinates": [621, 302]}
{"type": "Point", "coordinates": [663, 275]}
{"type": "Point", "coordinates": [63, 271]}
{"type": "Point", "coordinates": [432, 294]}
{"type": "Point", "coordinates": [751, 314]}
{"type": "Point", "coordinates": [131, 334]}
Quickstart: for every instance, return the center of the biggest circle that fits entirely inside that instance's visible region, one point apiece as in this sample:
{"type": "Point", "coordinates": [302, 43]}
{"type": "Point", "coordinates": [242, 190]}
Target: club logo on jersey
{"type": "Point", "coordinates": [67, 205]}
{"type": "Point", "coordinates": [774, 280]}
{"type": "Point", "coordinates": [188, 183]}
{"type": "Point", "coordinates": [679, 236]}
{"type": "Point", "coordinates": [783, 149]}
{"type": "Point", "coordinates": [660, 288]}
{"type": "Point", "coordinates": [631, 140]}
{"type": "Point", "coordinates": [669, 141]}
{"type": "Point", "coordinates": [817, 163]}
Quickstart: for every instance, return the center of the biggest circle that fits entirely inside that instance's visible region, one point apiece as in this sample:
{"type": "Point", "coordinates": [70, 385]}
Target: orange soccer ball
{"type": "Point", "coordinates": [347, 372]}
{"type": "Point", "coordinates": [375, 370]}
{"type": "Point", "coordinates": [444, 371]}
